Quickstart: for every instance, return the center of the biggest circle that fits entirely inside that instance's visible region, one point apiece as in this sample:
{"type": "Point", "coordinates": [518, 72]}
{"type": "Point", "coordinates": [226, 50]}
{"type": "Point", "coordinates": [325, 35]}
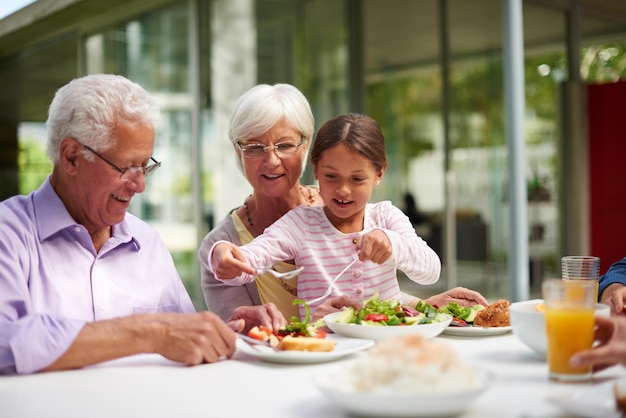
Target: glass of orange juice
{"type": "Point", "coordinates": [581, 267]}
{"type": "Point", "coordinates": [570, 306]}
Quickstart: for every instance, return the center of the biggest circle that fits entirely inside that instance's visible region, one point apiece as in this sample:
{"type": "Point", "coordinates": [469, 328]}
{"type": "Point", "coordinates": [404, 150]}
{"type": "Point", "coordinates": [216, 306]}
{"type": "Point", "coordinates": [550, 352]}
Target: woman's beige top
{"type": "Point", "coordinates": [281, 292]}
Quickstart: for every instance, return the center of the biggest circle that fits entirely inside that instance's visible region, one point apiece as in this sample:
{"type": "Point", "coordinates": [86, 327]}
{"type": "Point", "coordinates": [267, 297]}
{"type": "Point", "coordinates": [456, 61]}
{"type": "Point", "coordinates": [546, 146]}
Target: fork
{"type": "Point", "coordinates": [285, 276]}
{"type": "Point", "coordinates": [332, 282]}
{"type": "Point", "coordinates": [254, 343]}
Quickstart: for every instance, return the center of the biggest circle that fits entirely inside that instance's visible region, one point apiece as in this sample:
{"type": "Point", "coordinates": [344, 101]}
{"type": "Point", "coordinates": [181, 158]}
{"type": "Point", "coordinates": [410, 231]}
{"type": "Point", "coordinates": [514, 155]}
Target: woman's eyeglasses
{"type": "Point", "coordinates": [128, 173]}
{"type": "Point", "coordinates": [282, 149]}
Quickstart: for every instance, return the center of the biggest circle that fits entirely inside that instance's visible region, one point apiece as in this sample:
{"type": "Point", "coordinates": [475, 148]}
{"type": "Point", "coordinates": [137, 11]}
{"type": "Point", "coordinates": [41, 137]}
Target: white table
{"type": "Point", "coordinates": [245, 387]}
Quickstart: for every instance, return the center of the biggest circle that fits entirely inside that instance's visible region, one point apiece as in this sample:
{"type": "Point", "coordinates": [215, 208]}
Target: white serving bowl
{"type": "Point", "coordinates": [378, 333]}
{"type": "Point", "coordinates": [529, 324]}
{"type": "Point", "coordinates": [421, 404]}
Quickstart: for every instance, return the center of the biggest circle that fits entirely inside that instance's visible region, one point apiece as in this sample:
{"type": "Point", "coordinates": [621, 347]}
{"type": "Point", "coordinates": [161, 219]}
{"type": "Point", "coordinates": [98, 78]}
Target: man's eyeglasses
{"type": "Point", "coordinates": [128, 173]}
{"type": "Point", "coordinates": [282, 149]}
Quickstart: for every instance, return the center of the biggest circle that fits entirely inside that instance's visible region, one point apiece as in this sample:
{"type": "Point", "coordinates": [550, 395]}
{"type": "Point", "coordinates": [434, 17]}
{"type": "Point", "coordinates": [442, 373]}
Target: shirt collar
{"type": "Point", "coordinates": [52, 216]}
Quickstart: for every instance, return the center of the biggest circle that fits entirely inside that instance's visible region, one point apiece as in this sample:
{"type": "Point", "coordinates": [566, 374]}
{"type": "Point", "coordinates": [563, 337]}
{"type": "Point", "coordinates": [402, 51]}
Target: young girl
{"type": "Point", "coordinates": [349, 160]}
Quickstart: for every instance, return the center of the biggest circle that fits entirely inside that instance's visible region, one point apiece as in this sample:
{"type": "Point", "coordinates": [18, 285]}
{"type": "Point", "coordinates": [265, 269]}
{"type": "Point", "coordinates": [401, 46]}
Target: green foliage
{"type": "Point", "coordinates": [186, 265]}
{"type": "Point", "coordinates": [604, 63]}
{"type": "Point", "coordinates": [33, 165]}
{"type": "Point", "coordinates": [476, 102]}
{"type": "Point", "coordinates": [400, 105]}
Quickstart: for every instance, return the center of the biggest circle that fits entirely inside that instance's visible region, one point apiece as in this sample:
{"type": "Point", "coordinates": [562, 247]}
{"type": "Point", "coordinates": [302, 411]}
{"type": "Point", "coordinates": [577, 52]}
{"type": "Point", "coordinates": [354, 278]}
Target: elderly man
{"type": "Point", "coordinates": [81, 280]}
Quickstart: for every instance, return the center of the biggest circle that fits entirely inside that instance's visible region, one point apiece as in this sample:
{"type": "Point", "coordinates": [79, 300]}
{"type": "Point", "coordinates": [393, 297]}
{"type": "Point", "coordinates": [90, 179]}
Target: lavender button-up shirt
{"type": "Point", "coordinates": [52, 281]}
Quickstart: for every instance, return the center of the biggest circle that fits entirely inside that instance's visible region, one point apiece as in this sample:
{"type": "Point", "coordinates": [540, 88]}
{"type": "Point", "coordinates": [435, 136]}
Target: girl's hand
{"type": "Point", "coordinates": [228, 262]}
{"type": "Point", "coordinates": [374, 246]}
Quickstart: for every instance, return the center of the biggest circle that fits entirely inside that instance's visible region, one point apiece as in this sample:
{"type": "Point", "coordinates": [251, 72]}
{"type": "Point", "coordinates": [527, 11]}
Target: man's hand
{"type": "Point", "coordinates": [267, 315]}
{"type": "Point", "coordinates": [460, 295]}
{"type": "Point", "coordinates": [610, 334]}
{"type": "Point", "coordinates": [614, 296]}
{"type": "Point", "coordinates": [193, 338]}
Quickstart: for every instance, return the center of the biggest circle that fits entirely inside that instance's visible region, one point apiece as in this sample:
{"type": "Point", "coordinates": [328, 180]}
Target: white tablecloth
{"type": "Point", "coordinates": [246, 387]}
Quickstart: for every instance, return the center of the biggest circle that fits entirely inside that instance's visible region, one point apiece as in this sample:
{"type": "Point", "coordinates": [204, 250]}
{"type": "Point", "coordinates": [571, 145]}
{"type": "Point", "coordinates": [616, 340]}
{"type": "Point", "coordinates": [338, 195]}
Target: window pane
{"type": "Point", "coordinates": [153, 50]}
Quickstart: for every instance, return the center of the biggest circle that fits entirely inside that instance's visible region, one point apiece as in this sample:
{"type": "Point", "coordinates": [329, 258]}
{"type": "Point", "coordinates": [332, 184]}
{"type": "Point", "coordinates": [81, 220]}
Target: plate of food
{"type": "Point", "coordinates": [340, 347]}
{"type": "Point", "coordinates": [604, 400]}
{"type": "Point", "coordinates": [475, 331]}
{"type": "Point", "coordinates": [381, 319]}
{"type": "Point", "coordinates": [300, 341]}
{"type": "Point", "coordinates": [404, 376]}
{"type": "Point", "coordinates": [478, 320]}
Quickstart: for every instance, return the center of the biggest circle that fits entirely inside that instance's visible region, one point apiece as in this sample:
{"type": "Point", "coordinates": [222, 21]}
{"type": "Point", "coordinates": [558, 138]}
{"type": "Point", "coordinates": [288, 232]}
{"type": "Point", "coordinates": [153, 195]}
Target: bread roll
{"type": "Point", "coordinates": [495, 315]}
{"type": "Point", "coordinates": [306, 344]}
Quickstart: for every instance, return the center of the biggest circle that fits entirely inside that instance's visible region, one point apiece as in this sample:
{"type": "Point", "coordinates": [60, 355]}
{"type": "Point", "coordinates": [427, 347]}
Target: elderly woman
{"type": "Point", "coordinates": [271, 130]}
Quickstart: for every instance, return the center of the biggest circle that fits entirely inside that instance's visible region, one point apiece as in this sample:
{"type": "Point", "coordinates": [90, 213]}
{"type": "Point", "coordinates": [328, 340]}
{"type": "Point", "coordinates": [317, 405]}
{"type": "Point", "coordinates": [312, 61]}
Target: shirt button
{"type": "Point", "coordinates": [358, 292]}
{"type": "Point", "coordinates": [357, 274]}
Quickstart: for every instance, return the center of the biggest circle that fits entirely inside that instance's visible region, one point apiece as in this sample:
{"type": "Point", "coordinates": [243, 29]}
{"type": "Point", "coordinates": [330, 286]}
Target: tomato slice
{"type": "Point", "coordinates": [376, 317]}
{"type": "Point", "coordinates": [318, 334]}
{"type": "Point", "coordinates": [260, 333]}
{"type": "Point", "coordinates": [456, 322]}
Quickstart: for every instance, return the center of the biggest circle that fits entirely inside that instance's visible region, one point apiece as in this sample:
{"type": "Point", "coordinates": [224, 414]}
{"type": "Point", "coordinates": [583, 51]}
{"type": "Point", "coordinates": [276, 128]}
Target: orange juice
{"type": "Point", "coordinates": [570, 321]}
{"type": "Point", "coordinates": [579, 290]}
{"type": "Point", "coordinates": [569, 330]}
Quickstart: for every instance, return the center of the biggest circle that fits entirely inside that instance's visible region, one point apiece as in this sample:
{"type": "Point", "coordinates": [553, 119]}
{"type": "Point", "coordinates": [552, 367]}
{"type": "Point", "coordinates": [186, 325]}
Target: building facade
{"type": "Point", "coordinates": [433, 73]}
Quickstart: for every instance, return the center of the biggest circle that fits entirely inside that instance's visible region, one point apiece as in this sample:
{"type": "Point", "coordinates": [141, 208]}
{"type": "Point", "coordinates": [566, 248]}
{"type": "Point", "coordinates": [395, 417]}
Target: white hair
{"type": "Point", "coordinates": [259, 109]}
{"type": "Point", "coordinates": [90, 108]}
{"type": "Point", "coordinates": [263, 106]}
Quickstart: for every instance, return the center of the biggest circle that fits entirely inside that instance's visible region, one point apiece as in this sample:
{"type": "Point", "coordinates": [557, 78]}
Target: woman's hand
{"type": "Point", "coordinates": [267, 315]}
{"type": "Point", "coordinates": [334, 304]}
{"type": "Point", "coordinates": [460, 295]}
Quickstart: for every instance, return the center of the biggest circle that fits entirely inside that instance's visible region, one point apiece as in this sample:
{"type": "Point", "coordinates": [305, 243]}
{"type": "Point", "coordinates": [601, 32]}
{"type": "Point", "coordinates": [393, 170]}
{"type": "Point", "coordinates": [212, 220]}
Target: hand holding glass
{"type": "Point", "coordinates": [570, 306]}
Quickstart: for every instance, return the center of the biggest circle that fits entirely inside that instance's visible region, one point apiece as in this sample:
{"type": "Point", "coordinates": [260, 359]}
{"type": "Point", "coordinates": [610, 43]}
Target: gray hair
{"type": "Point", "coordinates": [90, 108]}
{"type": "Point", "coordinates": [263, 106]}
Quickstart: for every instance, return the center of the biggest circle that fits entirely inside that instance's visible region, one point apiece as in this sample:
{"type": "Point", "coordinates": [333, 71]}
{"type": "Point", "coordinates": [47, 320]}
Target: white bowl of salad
{"type": "Point", "coordinates": [382, 319]}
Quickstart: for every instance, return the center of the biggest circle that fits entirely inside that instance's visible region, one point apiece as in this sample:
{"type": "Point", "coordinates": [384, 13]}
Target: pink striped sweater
{"type": "Point", "coordinates": [306, 236]}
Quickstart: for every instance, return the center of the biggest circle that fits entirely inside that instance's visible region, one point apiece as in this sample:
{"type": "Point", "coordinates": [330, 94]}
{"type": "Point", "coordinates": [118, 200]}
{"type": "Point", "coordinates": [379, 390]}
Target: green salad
{"type": "Point", "coordinates": [461, 315]}
{"type": "Point", "coordinates": [390, 312]}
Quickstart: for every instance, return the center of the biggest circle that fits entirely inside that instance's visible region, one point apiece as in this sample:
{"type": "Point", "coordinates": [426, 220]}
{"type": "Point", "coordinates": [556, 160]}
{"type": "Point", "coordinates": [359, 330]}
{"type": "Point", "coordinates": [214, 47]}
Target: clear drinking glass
{"type": "Point", "coordinates": [581, 267]}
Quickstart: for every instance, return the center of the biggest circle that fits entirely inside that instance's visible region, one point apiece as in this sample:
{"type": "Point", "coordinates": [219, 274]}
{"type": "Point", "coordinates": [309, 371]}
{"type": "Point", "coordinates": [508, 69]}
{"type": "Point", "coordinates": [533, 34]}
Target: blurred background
{"type": "Point", "coordinates": [433, 73]}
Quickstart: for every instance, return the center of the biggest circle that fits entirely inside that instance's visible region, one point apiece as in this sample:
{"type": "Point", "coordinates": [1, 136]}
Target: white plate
{"type": "Point", "coordinates": [476, 331]}
{"type": "Point", "coordinates": [373, 332]}
{"type": "Point", "coordinates": [343, 347]}
{"type": "Point", "coordinates": [597, 401]}
{"type": "Point", "coordinates": [397, 405]}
